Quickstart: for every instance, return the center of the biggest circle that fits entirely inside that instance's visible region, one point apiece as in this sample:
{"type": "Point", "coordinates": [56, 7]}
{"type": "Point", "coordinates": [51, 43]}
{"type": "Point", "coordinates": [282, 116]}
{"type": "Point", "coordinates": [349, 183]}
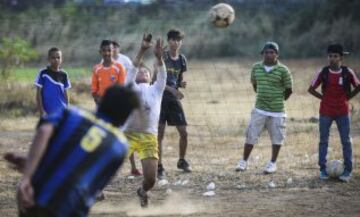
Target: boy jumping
{"type": "Point", "coordinates": [142, 126]}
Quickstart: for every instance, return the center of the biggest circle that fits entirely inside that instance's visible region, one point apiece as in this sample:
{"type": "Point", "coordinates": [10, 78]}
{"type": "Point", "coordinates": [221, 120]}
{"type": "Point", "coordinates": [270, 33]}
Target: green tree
{"type": "Point", "coordinates": [14, 52]}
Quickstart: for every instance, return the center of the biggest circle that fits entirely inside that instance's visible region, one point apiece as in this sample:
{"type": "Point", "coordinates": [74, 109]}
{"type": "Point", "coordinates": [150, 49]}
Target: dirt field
{"type": "Point", "coordinates": [218, 102]}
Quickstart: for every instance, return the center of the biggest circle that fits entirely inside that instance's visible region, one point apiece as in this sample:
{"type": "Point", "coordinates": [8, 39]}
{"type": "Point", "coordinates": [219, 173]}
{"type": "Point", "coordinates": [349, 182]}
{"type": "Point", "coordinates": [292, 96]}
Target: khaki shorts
{"type": "Point", "coordinates": [145, 144]}
{"type": "Point", "coordinates": [274, 125]}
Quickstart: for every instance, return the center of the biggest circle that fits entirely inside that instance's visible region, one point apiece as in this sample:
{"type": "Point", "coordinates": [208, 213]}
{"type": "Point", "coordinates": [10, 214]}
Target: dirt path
{"type": "Point", "coordinates": [298, 191]}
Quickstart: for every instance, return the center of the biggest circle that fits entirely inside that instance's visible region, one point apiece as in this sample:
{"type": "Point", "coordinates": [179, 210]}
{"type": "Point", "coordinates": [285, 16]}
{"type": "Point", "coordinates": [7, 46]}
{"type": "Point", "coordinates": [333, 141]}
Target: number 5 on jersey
{"type": "Point", "coordinates": [92, 139]}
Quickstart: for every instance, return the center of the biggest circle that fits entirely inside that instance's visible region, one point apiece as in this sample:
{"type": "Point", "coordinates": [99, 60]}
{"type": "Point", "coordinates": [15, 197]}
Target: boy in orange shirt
{"type": "Point", "coordinates": [106, 73]}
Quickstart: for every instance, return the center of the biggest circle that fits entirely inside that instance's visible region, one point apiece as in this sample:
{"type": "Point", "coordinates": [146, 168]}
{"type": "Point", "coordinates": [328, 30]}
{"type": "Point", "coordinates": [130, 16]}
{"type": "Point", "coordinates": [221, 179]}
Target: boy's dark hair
{"type": "Point", "coordinates": [336, 48]}
{"type": "Point", "coordinates": [175, 34]}
{"type": "Point", "coordinates": [115, 43]}
{"type": "Point", "coordinates": [117, 104]}
{"type": "Point", "coordinates": [53, 49]}
{"type": "Point", "coordinates": [105, 43]}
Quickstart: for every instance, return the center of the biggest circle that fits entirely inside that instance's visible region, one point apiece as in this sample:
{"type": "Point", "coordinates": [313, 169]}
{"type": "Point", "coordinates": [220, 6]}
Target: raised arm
{"type": "Point", "coordinates": [145, 45]}
{"type": "Point", "coordinates": [160, 82]}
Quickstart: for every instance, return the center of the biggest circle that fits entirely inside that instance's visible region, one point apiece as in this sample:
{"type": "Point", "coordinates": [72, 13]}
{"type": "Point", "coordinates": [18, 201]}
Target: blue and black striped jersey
{"type": "Point", "coordinates": [82, 155]}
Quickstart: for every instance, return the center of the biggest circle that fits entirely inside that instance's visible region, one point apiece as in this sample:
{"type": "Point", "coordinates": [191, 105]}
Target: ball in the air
{"type": "Point", "coordinates": [334, 168]}
{"type": "Point", "coordinates": [222, 15]}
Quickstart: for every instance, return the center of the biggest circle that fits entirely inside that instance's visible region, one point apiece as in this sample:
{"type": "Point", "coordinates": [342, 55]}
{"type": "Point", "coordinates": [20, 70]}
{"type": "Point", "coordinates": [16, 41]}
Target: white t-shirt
{"type": "Point", "coordinates": [146, 118]}
{"type": "Point", "coordinates": [268, 68]}
{"type": "Point", "coordinates": [124, 61]}
{"type": "Point", "coordinates": [271, 114]}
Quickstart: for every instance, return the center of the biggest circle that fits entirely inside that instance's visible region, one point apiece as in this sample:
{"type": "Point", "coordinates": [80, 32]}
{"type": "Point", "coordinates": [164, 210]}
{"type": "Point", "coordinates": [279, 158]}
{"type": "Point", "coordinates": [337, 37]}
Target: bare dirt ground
{"type": "Point", "coordinates": [217, 115]}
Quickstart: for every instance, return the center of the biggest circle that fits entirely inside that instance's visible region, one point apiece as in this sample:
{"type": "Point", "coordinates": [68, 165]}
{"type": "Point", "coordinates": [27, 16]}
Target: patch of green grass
{"type": "Point", "coordinates": [28, 74]}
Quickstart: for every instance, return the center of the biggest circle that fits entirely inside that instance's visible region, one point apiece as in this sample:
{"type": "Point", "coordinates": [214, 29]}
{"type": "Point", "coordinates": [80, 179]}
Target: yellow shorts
{"type": "Point", "coordinates": [145, 144]}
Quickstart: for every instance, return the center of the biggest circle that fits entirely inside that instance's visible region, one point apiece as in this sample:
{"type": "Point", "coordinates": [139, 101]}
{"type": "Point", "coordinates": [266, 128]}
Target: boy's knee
{"type": "Point", "coordinates": [183, 133]}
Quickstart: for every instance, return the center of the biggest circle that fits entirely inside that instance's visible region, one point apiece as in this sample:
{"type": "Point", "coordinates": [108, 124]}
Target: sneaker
{"type": "Point", "coordinates": [161, 172]}
{"type": "Point", "coordinates": [184, 165]}
{"type": "Point", "coordinates": [270, 168]}
{"type": "Point", "coordinates": [241, 166]}
{"type": "Point", "coordinates": [324, 175]}
{"type": "Point", "coordinates": [144, 198]}
{"type": "Point", "coordinates": [136, 172]}
{"type": "Point", "coordinates": [346, 176]}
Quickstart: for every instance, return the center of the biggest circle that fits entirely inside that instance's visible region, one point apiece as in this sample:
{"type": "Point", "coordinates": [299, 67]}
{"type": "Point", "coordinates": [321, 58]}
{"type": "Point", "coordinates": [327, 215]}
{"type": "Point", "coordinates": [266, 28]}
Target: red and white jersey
{"type": "Point", "coordinates": [334, 101]}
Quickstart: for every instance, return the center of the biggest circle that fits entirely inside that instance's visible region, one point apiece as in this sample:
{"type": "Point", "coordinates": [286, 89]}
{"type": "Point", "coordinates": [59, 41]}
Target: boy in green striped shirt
{"type": "Point", "coordinates": [272, 82]}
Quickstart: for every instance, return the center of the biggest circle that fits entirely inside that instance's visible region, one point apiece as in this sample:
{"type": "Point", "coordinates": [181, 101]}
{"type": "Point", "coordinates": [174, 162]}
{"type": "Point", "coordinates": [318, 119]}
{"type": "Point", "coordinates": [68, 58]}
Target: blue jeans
{"type": "Point", "coordinates": [343, 125]}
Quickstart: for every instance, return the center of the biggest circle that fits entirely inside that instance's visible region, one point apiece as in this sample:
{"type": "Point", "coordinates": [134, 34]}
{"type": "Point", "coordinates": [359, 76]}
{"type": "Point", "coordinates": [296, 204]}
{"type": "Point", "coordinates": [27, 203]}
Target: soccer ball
{"type": "Point", "coordinates": [335, 168]}
{"type": "Point", "coordinates": [222, 15]}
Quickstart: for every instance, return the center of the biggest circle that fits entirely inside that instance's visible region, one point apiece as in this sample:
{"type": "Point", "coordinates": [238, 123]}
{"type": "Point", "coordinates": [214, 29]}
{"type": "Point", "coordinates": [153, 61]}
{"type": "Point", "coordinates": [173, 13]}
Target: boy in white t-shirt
{"type": "Point", "coordinates": [141, 128]}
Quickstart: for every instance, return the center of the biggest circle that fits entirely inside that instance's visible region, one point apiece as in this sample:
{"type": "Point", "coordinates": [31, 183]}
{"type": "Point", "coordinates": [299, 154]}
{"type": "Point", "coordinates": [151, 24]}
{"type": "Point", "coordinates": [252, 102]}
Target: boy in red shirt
{"type": "Point", "coordinates": [336, 81]}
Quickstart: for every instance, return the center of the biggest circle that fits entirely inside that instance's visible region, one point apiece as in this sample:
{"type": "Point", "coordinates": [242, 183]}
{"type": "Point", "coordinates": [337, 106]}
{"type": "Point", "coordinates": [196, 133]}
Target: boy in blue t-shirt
{"type": "Point", "coordinates": [52, 83]}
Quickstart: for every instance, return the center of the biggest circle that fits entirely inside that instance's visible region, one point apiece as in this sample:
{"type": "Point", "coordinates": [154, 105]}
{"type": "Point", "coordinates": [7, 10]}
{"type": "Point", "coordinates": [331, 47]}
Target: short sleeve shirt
{"type": "Point", "coordinates": [103, 77]}
{"type": "Point", "coordinates": [270, 86]}
{"type": "Point", "coordinates": [334, 101]}
{"type": "Point", "coordinates": [53, 86]}
{"type": "Point", "coordinates": [81, 158]}
{"type": "Point", "coordinates": [175, 69]}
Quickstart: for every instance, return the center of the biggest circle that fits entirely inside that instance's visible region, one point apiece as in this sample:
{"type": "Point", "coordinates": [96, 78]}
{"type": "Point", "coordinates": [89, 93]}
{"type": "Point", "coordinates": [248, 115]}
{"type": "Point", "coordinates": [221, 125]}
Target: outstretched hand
{"type": "Point", "coordinates": [159, 49]}
{"type": "Point", "coordinates": [146, 42]}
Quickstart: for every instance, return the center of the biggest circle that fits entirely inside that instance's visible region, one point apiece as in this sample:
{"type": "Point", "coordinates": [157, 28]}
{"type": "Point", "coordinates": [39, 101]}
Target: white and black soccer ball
{"type": "Point", "coordinates": [222, 15]}
{"type": "Point", "coordinates": [334, 168]}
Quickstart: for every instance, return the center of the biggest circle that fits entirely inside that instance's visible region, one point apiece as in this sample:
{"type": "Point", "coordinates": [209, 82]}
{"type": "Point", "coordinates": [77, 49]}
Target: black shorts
{"type": "Point", "coordinates": [172, 112]}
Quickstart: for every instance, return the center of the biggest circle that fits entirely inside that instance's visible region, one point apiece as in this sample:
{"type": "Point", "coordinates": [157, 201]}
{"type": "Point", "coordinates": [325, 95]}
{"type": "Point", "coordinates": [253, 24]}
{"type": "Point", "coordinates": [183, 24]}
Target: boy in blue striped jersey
{"type": "Point", "coordinates": [73, 156]}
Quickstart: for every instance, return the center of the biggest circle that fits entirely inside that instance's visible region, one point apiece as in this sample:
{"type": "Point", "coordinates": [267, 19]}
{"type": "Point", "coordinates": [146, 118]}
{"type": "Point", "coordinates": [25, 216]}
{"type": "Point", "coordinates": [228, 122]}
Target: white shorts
{"type": "Point", "coordinates": [274, 125]}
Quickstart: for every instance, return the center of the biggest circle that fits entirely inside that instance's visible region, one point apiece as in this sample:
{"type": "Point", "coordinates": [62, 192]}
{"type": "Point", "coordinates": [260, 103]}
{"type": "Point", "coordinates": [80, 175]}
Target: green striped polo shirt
{"type": "Point", "coordinates": [270, 86]}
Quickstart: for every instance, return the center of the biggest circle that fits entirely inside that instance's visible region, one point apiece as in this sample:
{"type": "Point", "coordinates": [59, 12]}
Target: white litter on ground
{"type": "Point", "coordinates": [240, 187]}
{"type": "Point", "coordinates": [178, 182]}
{"type": "Point", "coordinates": [186, 181]}
{"type": "Point", "coordinates": [163, 182]}
{"type": "Point", "coordinates": [271, 184]}
{"type": "Point", "coordinates": [289, 181]}
{"type": "Point", "coordinates": [209, 193]}
{"type": "Point", "coordinates": [211, 186]}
